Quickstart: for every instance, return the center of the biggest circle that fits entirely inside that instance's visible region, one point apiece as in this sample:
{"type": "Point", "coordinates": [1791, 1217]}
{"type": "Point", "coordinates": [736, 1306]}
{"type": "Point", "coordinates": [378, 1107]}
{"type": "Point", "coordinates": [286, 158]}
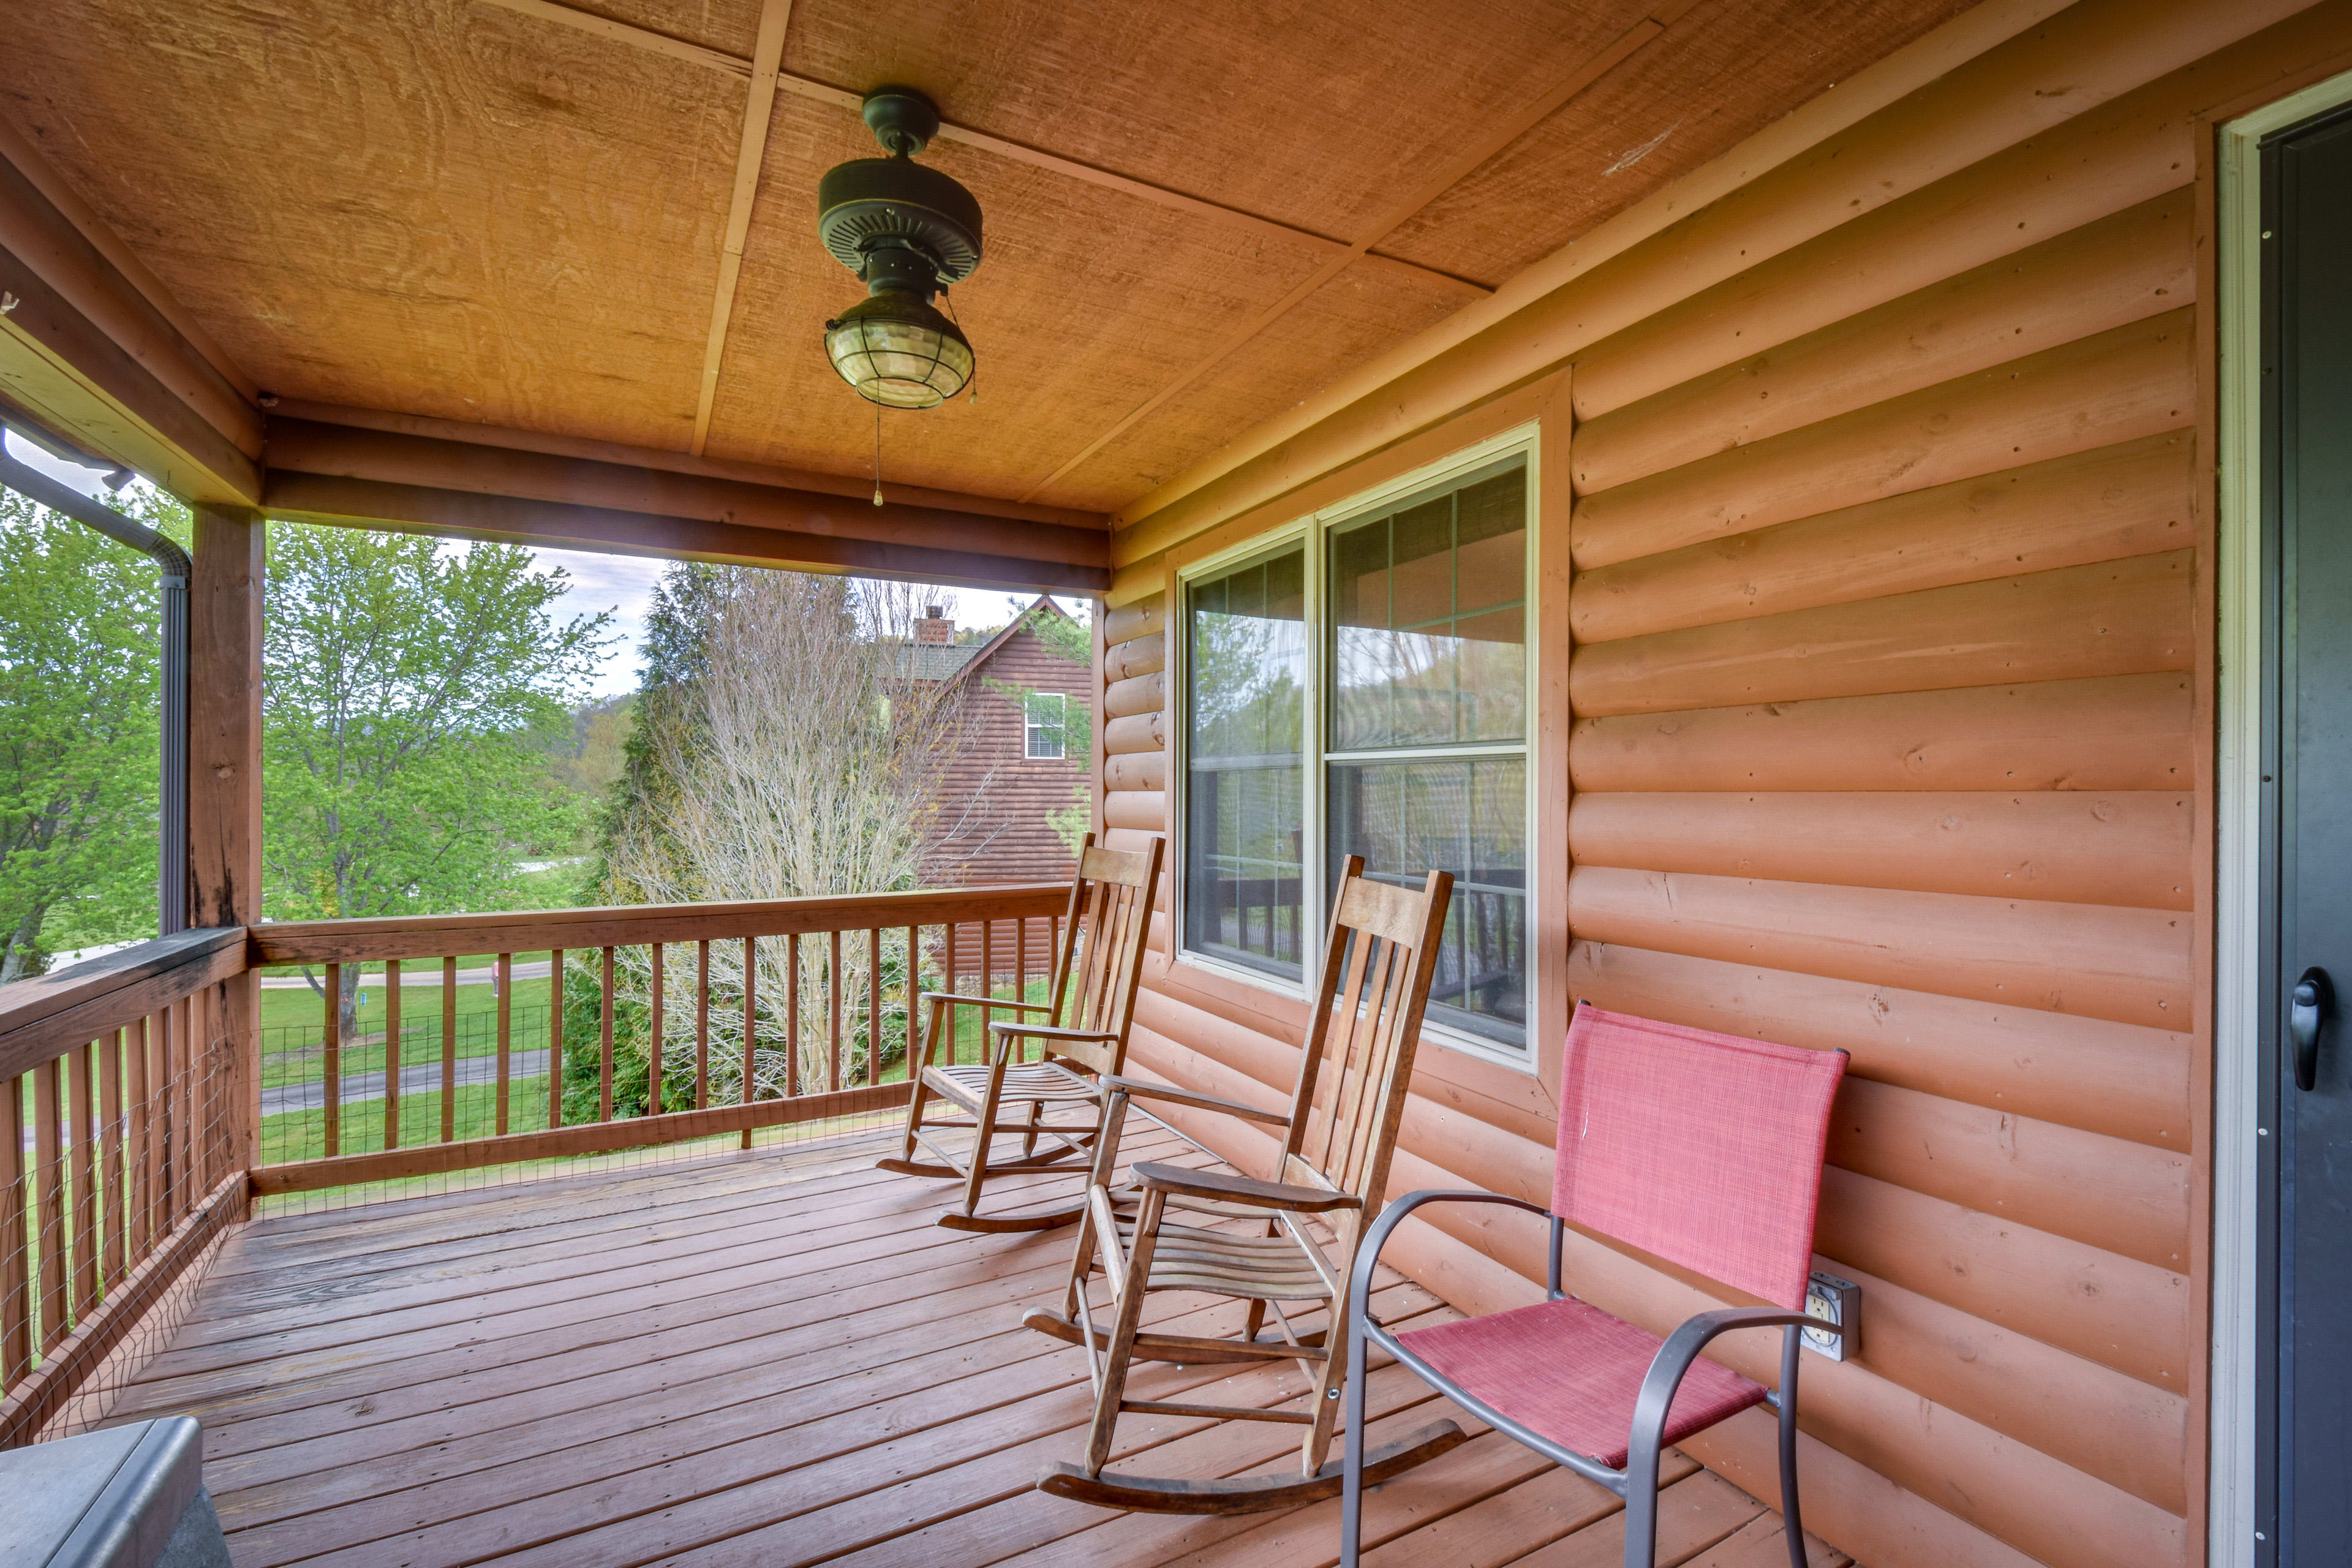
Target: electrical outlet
{"type": "Point", "coordinates": [1834, 1301]}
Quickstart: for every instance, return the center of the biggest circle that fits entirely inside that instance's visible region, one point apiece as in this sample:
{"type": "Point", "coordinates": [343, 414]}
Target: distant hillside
{"type": "Point", "coordinates": [588, 759]}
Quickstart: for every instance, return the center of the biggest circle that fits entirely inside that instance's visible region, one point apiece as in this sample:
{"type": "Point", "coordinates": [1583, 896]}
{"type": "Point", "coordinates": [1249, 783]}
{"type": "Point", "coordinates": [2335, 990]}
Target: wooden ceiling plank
{"type": "Point", "coordinates": [759, 113]}
{"type": "Point", "coordinates": [19, 150]}
{"type": "Point", "coordinates": [624, 33]}
{"type": "Point", "coordinates": [88, 357]}
{"type": "Point", "coordinates": [1036, 157]}
{"type": "Point", "coordinates": [1588, 72]}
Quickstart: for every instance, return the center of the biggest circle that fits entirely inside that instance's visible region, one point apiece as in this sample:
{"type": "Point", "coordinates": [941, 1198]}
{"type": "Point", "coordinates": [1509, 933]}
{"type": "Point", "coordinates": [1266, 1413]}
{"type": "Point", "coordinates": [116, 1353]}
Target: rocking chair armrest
{"type": "Point", "coordinates": [1047, 1031]}
{"type": "Point", "coordinates": [1140, 1089]}
{"type": "Point", "coordinates": [1248, 1191]}
{"type": "Point", "coordinates": [929, 996]}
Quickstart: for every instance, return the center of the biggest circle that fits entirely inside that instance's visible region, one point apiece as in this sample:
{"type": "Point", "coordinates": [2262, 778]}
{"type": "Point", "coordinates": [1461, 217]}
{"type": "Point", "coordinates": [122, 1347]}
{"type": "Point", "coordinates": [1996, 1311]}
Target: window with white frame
{"type": "Point", "coordinates": [1360, 687]}
{"type": "Point", "coordinates": [1044, 716]}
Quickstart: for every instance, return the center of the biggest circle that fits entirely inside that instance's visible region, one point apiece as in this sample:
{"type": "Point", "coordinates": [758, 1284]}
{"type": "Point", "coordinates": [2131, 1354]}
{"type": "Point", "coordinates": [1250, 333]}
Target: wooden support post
{"type": "Point", "coordinates": [224, 797]}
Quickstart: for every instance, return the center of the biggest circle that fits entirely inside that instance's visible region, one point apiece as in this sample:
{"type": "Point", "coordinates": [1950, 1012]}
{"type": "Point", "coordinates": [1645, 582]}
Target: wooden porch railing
{"type": "Point", "coordinates": [131, 1081]}
{"type": "Point", "coordinates": [661, 1025]}
{"type": "Point", "coordinates": [123, 1127]}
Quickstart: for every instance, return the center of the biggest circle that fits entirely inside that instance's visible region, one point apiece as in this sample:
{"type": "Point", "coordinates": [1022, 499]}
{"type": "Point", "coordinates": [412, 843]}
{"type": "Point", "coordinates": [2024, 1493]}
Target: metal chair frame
{"type": "Point", "coordinates": [1637, 1483]}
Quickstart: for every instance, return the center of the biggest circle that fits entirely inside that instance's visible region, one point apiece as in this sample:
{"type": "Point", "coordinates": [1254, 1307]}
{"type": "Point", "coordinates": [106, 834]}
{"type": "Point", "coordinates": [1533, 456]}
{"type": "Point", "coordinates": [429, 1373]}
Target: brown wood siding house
{"type": "Point", "coordinates": [1874, 694]}
{"type": "Point", "coordinates": [994, 796]}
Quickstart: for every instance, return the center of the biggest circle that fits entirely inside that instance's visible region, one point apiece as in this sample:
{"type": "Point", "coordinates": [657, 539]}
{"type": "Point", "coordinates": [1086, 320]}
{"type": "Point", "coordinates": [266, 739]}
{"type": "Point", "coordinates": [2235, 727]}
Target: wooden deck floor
{"type": "Point", "coordinates": [768, 1359]}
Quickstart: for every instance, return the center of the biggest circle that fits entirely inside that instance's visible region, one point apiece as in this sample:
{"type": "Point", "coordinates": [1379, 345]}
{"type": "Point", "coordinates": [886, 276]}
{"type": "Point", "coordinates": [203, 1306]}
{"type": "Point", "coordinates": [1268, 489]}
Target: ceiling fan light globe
{"type": "Point", "coordinates": [896, 351]}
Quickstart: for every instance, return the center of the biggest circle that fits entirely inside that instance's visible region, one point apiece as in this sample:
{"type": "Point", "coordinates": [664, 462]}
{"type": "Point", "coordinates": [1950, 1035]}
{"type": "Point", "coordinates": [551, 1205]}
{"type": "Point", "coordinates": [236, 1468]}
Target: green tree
{"type": "Point", "coordinates": [410, 689]}
{"type": "Point", "coordinates": [79, 689]}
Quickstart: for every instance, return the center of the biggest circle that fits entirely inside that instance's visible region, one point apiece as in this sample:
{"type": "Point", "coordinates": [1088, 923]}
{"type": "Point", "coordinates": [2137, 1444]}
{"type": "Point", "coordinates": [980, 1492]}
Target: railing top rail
{"type": "Point", "coordinates": [436, 936]}
{"type": "Point", "coordinates": [43, 1017]}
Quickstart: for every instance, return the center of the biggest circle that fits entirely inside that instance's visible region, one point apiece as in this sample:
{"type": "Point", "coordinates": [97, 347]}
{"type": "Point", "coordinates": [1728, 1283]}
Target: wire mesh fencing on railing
{"type": "Point", "coordinates": [515, 1062]}
{"type": "Point", "coordinates": [123, 1169]}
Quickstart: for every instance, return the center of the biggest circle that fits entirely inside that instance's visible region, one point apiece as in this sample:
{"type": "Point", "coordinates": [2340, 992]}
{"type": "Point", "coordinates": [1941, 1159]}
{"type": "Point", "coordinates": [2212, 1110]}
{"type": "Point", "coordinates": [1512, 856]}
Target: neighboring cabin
{"type": "Point", "coordinates": [1013, 764]}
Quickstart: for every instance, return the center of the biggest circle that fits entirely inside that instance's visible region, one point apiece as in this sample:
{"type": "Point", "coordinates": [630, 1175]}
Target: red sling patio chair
{"type": "Point", "coordinates": [1702, 1148]}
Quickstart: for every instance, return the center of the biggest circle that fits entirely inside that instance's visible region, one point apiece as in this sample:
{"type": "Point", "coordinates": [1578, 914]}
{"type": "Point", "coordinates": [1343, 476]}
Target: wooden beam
{"type": "Point", "coordinates": [759, 112]}
{"type": "Point", "coordinates": [1036, 157]}
{"type": "Point", "coordinates": [528, 930]}
{"type": "Point", "coordinates": [1477, 153]}
{"type": "Point", "coordinates": [50, 1014]}
{"type": "Point", "coordinates": [224, 792]}
{"type": "Point", "coordinates": [343, 474]}
{"type": "Point", "coordinates": [767, 476]}
{"type": "Point", "coordinates": [87, 356]}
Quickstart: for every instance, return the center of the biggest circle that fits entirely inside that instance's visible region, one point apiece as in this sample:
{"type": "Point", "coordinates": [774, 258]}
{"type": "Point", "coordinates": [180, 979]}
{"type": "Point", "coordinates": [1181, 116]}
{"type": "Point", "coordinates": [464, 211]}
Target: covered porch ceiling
{"type": "Point", "coordinates": [528, 269]}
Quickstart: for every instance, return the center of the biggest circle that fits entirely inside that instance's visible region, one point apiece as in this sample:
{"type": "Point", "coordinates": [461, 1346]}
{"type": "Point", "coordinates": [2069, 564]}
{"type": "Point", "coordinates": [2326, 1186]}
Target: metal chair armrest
{"type": "Point", "coordinates": [1368, 1254]}
{"type": "Point", "coordinates": [1140, 1089]}
{"type": "Point", "coordinates": [1248, 1191]}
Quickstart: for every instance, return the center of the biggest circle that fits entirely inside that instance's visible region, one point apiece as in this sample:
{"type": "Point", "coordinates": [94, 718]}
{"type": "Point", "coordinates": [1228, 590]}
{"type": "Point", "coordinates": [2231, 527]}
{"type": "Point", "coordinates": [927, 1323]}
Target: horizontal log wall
{"type": "Point", "coordinates": [1890, 544]}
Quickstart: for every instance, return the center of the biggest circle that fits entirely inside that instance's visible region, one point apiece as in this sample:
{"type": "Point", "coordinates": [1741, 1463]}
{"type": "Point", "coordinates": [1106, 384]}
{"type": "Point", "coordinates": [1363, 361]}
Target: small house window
{"type": "Point", "coordinates": [1043, 726]}
{"type": "Point", "coordinates": [1363, 691]}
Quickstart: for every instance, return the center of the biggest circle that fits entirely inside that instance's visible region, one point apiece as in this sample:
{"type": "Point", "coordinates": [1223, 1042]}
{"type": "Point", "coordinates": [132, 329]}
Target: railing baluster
{"type": "Point", "coordinates": [392, 1053]}
{"type": "Point", "coordinates": [16, 1303]}
{"type": "Point", "coordinates": [83, 1061]}
{"type": "Point", "coordinates": [793, 1085]}
{"type": "Point", "coordinates": [167, 1033]}
{"type": "Point", "coordinates": [948, 957]}
{"type": "Point", "coordinates": [833, 1014]}
{"type": "Point", "coordinates": [505, 982]}
{"type": "Point", "coordinates": [110, 1183]}
{"type": "Point", "coordinates": [873, 1008]}
{"type": "Point", "coordinates": [556, 1037]}
{"type": "Point", "coordinates": [701, 1025]}
{"type": "Point", "coordinates": [654, 1045]}
{"type": "Point", "coordinates": [605, 1041]}
{"type": "Point", "coordinates": [334, 1101]}
{"type": "Point", "coordinates": [48, 1204]}
{"type": "Point", "coordinates": [138, 1162]}
{"type": "Point", "coordinates": [449, 1048]}
{"type": "Point", "coordinates": [987, 980]}
{"type": "Point", "coordinates": [914, 985]}
{"type": "Point", "coordinates": [187, 1053]}
{"type": "Point", "coordinates": [751, 983]}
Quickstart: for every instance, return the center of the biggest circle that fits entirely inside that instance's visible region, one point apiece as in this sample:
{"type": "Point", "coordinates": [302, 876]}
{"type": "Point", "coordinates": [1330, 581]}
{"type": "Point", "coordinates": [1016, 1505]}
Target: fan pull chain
{"type": "Point", "coordinates": [878, 454]}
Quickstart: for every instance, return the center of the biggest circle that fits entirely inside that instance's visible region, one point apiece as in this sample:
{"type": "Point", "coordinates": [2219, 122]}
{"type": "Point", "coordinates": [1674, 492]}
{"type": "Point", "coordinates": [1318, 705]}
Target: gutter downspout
{"type": "Point", "coordinates": [171, 564]}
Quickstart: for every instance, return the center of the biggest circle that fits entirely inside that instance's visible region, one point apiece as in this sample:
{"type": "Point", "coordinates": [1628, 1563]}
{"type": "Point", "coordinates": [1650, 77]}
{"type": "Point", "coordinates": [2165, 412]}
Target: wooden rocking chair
{"type": "Point", "coordinates": [1081, 1025]}
{"type": "Point", "coordinates": [1175, 1229]}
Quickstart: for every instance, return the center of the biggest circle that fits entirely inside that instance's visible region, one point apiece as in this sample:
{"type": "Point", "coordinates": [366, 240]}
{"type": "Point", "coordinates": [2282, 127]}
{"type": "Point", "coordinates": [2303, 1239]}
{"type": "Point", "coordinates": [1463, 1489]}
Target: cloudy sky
{"type": "Point", "coordinates": [621, 584]}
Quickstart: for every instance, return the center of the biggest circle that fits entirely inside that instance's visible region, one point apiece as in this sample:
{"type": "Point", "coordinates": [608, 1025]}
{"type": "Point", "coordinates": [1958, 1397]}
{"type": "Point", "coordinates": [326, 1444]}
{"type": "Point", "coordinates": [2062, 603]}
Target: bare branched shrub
{"type": "Point", "coordinates": [793, 767]}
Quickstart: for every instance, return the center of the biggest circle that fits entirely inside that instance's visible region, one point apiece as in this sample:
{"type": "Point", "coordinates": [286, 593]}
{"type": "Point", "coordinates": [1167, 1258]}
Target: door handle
{"type": "Point", "coordinates": [2313, 999]}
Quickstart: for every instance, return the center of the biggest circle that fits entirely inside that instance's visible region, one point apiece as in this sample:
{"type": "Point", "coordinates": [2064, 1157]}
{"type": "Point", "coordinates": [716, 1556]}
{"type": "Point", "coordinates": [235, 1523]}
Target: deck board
{"type": "Point", "coordinates": [773, 1358]}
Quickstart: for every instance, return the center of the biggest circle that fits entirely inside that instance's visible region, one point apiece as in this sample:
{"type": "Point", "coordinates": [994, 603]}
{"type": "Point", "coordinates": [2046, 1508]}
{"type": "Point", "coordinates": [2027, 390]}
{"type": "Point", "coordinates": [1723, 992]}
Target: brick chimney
{"type": "Point", "coordinates": [935, 630]}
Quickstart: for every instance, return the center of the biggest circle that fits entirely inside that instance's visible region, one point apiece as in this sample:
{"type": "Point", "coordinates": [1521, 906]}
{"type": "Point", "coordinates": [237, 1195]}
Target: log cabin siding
{"type": "Point", "coordinates": [1888, 730]}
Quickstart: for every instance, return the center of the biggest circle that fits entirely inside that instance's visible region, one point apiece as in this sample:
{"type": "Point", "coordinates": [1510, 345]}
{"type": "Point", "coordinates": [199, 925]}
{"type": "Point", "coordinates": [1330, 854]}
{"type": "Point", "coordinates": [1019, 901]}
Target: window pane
{"type": "Point", "coordinates": [1245, 785]}
{"type": "Point", "coordinates": [1429, 621]}
{"type": "Point", "coordinates": [1044, 725]}
{"type": "Point", "coordinates": [1469, 818]}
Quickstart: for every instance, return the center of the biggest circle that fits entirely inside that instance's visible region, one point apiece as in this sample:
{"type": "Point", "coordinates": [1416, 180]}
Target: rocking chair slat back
{"type": "Point", "coordinates": [1103, 941]}
{"type": "Point", "coordinates": [1358, 1055]}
